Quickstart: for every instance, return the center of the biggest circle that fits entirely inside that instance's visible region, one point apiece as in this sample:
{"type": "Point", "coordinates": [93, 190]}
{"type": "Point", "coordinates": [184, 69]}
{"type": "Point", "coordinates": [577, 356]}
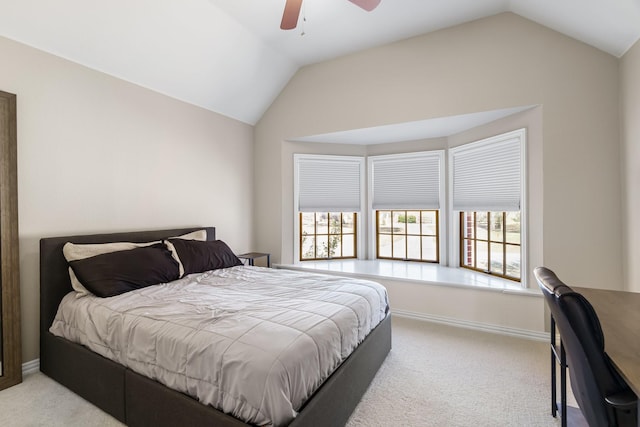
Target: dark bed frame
{"type": "Point", "coordinates": [139, 401]}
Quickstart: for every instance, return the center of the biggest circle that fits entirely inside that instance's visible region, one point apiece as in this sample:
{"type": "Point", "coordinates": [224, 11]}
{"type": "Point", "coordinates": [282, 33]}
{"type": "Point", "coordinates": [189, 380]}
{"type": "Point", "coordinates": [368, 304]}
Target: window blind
{"type": "Point", "coordinates": [406, 181]}
{"type": "Point", "coordinates": [329, 185]}
{"type": "Point", "coordinates": [487, 175]}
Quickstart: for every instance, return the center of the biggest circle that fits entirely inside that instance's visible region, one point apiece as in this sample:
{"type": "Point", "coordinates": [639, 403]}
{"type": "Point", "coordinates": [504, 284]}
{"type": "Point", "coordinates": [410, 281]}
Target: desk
{"type": "Point", "coordinates": [619, 314]}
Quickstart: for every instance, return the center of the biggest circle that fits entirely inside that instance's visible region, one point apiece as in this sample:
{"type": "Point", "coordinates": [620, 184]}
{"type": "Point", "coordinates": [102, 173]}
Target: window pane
{"type": "Point", "coordinates": [429, 249]}
{"type": "Point", "coordinates": [496, 226]}
{"type": "Point", "coordinates": [384, 222]}
{"type": "Point", "coordinates": [399, 222]}
{"type": "Point", "coordinates": [497, 257]}
{"type": "Point", "coordinates": [335, 246]}
{"type": "Point", "coordinates": [308, 246]}
{"type": "Point", "coordinates": [429, 223]}
{"type": "Point", "coordinates": [322, 235]}
{"type": "Point", "coordinates": [335, 223]}
{"type": "Point", "coordinates": [468, 255]}
{"type": "Point", "coordinates": [322, 223]}
{"type": "Point", "coordinates": [407, 229]}
{"type": "Point", "coordinates": [348, 225]}
{"type": "Point", "coordinates": [481, 225]}
{"type": "Point", "coordinates": [482, 256]}
{"type": "Point", "coordinates": [349, 245]}
{"type": "Point", "coordinates": [490, 256]}
{"type": "Point", "coordinates": [513, 227]}
{"type": "Point", "coordinates": [384, 248]}
{"type": "Point", "coordinates": [413, 223]}
{"type": "Point", "coordinates": [413, 247]}
{"type": "Point", "coordinates": [322, 246]}
{"type": "Point", "coordinates": [399, 248]}
{"type": "Point", "coordinates": [308, 223]}
{"type": "Point", "coordinates": [467, 225]}
{"type": "Point", "coordinates": [513, 261]}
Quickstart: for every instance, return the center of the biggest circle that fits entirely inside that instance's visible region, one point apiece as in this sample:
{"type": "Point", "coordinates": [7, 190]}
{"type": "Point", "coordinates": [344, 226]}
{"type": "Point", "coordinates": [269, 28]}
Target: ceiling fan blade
{"type": "Point", "coordinates": [367, 5]}
{"type": "Point", "coordinates": [291, 14]}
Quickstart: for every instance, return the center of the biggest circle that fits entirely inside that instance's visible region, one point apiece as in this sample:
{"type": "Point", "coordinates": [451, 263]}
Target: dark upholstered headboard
{"type": "Point", "coordinates": [54, 274]}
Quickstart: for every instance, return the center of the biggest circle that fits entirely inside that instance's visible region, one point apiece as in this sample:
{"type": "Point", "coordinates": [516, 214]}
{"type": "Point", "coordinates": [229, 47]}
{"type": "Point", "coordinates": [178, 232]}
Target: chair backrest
{"type": "Point", "coordinates": [592, 375]}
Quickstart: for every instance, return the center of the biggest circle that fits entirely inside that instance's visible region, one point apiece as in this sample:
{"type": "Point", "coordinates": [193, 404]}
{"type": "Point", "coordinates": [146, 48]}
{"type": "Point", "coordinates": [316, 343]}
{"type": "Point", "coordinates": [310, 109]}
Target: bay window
{"type": "Point", "coordinates": [480, 224]}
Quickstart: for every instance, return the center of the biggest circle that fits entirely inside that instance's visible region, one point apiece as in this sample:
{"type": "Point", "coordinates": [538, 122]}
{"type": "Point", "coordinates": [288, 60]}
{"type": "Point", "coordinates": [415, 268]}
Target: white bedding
{"type": "Point", "coordinates": [253, 342]}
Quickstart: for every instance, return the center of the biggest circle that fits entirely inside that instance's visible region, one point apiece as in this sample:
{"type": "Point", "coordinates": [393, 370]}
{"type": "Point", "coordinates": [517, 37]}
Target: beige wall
{"type": "Point", "coordinates": [493, 63]}
{"type": "Point", "coordinates": [630, 112]}
{"type": "Point", "coordinates": [98, 154]}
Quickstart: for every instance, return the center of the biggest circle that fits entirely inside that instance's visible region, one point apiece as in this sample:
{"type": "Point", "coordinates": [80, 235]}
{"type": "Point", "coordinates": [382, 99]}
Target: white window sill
{"type": "Point", "coordinates": [417, 272]}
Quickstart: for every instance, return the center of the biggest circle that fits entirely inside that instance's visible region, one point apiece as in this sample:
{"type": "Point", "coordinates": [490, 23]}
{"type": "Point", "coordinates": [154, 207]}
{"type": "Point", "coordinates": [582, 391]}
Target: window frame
{"type": "Point", "coordinates": [489, 241]}
{"type": "Point", "coordinates": [329, 234]}
{"type": "Point", "coordinates": [360, 160]}
{"type": "Point", "coordinates": [454, 215]}
{"type": "Point", "coordinates": [406, 235]}
{"type": "Point", "coordinates": [372, 235]}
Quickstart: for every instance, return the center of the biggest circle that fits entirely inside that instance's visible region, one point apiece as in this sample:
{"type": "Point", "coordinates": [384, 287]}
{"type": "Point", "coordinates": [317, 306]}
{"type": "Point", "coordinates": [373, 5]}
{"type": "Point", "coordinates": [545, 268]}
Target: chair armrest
{"type": "Point", "coordinates": [624, 400]}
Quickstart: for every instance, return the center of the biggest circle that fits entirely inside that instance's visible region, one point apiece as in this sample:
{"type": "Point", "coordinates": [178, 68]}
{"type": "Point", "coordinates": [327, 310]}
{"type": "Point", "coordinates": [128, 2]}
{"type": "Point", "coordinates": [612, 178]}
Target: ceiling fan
{"type": "Point", "coordinates": [292, 11]}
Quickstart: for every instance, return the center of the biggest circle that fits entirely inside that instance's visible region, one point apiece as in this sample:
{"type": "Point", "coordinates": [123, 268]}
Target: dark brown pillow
{"type": "Point", "coordinates": [197, 257]}
{"type": "Point", "coordinates": [115, 273]}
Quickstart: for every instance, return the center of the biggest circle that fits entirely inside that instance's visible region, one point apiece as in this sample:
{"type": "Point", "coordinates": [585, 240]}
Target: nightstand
{"type": "Point", "coordinates": [251, 256]}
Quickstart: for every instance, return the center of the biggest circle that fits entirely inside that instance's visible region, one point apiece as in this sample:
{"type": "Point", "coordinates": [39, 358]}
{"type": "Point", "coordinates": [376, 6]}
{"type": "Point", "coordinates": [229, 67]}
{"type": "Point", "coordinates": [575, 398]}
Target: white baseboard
{"type": "Point", "coordinates": [31, 367]}
{"type": "Point", "coordinates": [504, 330]}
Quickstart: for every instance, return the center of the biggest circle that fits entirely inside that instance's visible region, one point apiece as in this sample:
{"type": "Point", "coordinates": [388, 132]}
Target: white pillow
{"type": "Point", "coordinates": [73, 252]}
{"type": "Point", "coordinates": [200, 235]}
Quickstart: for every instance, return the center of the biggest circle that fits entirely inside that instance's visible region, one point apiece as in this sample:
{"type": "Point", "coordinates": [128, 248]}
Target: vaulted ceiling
{"type": "Point", "coordinates": [231, 57]}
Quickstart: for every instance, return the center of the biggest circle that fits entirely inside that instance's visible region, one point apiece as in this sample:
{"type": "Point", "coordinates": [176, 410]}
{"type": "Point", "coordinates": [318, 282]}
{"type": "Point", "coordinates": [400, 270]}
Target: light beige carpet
{"type": "Point", "coordinates": [435, 376]}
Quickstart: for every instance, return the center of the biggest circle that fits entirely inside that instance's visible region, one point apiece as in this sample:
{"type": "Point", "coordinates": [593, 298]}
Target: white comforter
{"type": "Point", "coordinates": [253, 342]}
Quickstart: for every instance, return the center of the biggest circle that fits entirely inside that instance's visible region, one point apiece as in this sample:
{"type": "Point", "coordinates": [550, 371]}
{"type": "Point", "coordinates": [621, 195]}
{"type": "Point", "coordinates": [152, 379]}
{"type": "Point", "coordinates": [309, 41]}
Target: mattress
{"type": "Point", "coordinates": [252, 342]}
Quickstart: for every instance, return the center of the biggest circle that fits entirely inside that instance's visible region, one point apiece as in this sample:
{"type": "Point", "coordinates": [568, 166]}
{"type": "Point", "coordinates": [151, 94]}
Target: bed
{"type": "Point", "coordinates": [139, 401]}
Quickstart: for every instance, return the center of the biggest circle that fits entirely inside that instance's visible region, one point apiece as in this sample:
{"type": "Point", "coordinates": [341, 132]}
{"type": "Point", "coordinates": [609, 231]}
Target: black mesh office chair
{"type": "Point", "coordinates": [603, 396]}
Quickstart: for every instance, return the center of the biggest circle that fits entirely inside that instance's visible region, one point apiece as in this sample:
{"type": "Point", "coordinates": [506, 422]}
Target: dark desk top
{"type": "Point", "coordinates": [253, 255]}
{"type": "Point", "coordinates": [619, 314]}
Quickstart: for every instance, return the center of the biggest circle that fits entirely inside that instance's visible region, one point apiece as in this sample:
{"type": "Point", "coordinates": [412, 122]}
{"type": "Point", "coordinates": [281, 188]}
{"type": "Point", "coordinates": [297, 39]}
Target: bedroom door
{"type": "Point", "coordinates": [10, 342]}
